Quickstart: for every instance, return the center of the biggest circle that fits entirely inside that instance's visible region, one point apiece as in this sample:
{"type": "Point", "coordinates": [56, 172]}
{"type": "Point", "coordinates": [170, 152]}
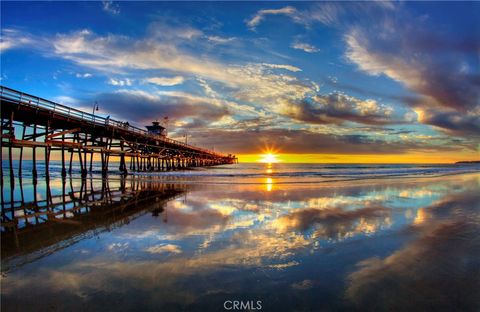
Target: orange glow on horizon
{"type": "Point", "coordinates": [440, 157]}
{"type": "Point", "coordinates": [414, 157]}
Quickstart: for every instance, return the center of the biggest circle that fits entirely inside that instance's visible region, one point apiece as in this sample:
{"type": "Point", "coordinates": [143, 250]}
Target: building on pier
{"type": "Point", "coordinates": [156, 128]}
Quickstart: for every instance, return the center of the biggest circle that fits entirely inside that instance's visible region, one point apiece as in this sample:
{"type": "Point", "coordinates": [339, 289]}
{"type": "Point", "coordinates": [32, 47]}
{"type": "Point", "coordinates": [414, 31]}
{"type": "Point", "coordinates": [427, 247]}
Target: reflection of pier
{"type": "Point", "coordinates": [39, 227]}
{"type": "Point", "coordinates": [32, 122]}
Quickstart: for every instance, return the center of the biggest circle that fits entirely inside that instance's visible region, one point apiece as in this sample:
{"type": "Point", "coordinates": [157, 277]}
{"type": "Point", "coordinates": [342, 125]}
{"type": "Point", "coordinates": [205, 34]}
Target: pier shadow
{"type": "Point", "coordinates": [40, 219]}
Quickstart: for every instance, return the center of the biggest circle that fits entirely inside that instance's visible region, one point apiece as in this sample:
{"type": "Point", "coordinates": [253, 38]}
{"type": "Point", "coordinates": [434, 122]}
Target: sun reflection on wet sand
{"type": "Point", "coordinates": [269, 184]}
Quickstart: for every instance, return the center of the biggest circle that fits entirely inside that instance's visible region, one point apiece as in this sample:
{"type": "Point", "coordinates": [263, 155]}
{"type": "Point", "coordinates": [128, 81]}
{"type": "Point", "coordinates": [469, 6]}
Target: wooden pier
{"type": "Point", "coordinates": [31, 122]}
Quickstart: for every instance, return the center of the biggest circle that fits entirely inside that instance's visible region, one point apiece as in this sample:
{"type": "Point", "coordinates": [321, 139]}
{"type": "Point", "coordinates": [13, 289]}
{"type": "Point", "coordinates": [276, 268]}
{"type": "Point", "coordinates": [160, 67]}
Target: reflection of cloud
{"type": "Point", "coordinates": [303, 285]}
{"type": "Point", "coordinates": [420, 217]}
{"type": "Point", "coordinates": [415, 193]}
{"type": "Point", "coordinates": [164, 248]}
{"type": "Point", "coordinates": [117, 247]}
{"type": "Point", "coordinates": [280, 266]}
{"type": "Point", "coordinates": [439, 271]}
{"type": "Point", "coordinates": [334, 223]}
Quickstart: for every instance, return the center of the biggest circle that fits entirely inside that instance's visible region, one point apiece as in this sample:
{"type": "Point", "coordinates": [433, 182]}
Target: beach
{"type": "Point", "coordinates": [279, 236]}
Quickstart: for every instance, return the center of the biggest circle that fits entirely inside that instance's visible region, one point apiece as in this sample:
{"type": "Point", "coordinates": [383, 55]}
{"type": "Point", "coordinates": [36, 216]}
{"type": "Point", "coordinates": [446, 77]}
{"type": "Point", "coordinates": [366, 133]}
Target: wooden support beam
{"type": "Point", "coordinates": [47, 153]}
{"type": "Point", "coordinates": [10, 156]}
{"type": "Point", "coordinates": [64, 171]}
{"type": "Point", "coordinates": [62, 133]}
{"type": "Point", "coordinates": [21, 153]}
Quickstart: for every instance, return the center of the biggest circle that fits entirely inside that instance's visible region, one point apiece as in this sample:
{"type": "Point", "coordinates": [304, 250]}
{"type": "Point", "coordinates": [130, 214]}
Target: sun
{"type": "Point", "coordinates": [269, 158]}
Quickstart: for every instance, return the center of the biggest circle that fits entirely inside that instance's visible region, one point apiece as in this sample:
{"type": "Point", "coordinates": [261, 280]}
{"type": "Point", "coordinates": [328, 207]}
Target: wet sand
{"type": "Point", "coordinates": [140, 244]}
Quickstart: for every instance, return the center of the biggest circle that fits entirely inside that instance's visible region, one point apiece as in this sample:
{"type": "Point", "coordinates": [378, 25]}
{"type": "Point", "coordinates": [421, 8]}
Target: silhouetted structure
{"type": "Point", "coordinates": [52, 126]}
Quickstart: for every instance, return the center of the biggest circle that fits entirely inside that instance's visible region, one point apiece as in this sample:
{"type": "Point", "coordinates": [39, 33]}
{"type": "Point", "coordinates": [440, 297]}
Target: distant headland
{"type": "Point", "coordinates": [468, 162]}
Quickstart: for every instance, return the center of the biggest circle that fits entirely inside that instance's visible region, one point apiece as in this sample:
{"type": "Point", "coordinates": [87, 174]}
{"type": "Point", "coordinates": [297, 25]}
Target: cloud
{"type": "Point", "coordinates": [166, 81]}
{"type": "Point", "coordinates": [260, 15]}
{"type": "Point", "coordinates": [110, 7]}
{"type": "Point", "coordinates": [336, 108]}
{"type": "Point", "coordinates": [174, 32]}
{"type": "Point", "coordinates": [304, 47]}
{"type": "Point", "coordinates": [280, 66]}
{"type": "Point", "coordinates": [64, 99]}
{"type": "Point", "coordinates": [13, 38]}
{"type": "Point", "coordinates": [220, 40]}
{"type": "Point", "coordinates": [246, 141]}
{"type": "Point", "coordinates": [430, 63]}
{"type": "Point", "coordinates": [120, 82]}
{"type": "Point", "coordinates": [325, 13]}
{"type": "Point", "coordinates": [85, 75]}
{"type": "Point", "coordinates": [143, 107]}
{"type": "Point", "coordinates": [263, 87]}
{"type": "Point", "coordinates": [382, 39]}
{"type": "Point", "coordinates": [454, 123]}
{"type": "Point", "coordinates": [421, 73]}
{"type": "Point", "coordinates": [117, 53]}
{"type": "Point", "coordinates": [274, 91]}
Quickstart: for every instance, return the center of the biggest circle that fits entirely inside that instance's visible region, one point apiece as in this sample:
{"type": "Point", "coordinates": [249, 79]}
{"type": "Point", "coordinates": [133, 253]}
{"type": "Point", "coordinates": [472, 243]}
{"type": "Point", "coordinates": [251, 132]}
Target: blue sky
{"type": "Point", "coordinates": [338, 78]}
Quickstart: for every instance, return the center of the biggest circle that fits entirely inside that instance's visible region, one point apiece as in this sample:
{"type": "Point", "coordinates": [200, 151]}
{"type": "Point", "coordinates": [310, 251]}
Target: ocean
{"type": "Point", "coordinates": [270, 237]}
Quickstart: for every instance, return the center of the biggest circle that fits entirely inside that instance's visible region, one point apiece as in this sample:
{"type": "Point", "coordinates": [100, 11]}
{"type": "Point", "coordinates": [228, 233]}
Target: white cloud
{"type": "Point", "coordinates": [220, 40]}
{"type": "Point", "coordinates": [117, 53]}
{"type": "Point", "coordinates": [305, 47]}
{"type": "Point", "coordinates": [260, 15]}
{"type": "Point", "coordinates": [207, 88]}
{"type": "Point", "coordinates": [110, 7]}
{"type": "Point", "coordinates": [166, 81]}
{"type": "Point", "coordinates": [282, 66]}
{"type": "Point", "coordinates": [164, 31]}
{"type": "Point", "coordinates": [325, 13]}
{"type": "Point", "coordinates": [86, 75]}
{"type": "Point", "coordinates": [120, 82]}
{"type": "Point", "coordinates": [12, 38]}
{"type": "Point", "coordinates": [65, 99]}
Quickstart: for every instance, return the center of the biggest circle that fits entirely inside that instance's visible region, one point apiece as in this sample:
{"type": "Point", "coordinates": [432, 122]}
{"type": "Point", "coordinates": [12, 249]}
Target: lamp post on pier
{"type": "Point", "coordinates": [95, 108]}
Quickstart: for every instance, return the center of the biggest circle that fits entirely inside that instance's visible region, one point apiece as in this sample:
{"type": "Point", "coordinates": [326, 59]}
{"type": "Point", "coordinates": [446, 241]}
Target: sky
{"type": "Point", "coordinates": [310, 81]}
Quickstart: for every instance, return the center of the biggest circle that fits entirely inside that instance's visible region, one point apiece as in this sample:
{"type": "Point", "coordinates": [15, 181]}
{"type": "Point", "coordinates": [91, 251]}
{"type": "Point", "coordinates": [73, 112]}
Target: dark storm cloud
{"type": "Point", "coordinates": [337, 108]}
{"type": "Point", "coordinates": [440, 65]}
{"type": "Point", "coordinates": [455, 123]}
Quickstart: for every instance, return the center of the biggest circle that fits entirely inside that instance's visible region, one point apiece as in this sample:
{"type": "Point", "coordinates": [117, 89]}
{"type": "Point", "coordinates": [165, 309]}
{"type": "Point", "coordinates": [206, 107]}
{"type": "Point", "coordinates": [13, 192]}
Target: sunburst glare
{"type": "Point", "coordinates": [269, 158]}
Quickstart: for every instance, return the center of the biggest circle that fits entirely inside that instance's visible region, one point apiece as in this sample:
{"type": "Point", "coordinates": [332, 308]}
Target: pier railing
{"type": "Point", "coordinates": [26, 99]}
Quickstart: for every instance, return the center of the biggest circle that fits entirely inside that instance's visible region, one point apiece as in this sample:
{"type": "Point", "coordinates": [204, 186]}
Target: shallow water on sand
{"type": "Point", "coordinates": [164, 242]}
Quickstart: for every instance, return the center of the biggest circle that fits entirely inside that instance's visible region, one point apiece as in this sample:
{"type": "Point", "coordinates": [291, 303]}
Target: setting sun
{"type": "Point", "coordinates": [269, 158]}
